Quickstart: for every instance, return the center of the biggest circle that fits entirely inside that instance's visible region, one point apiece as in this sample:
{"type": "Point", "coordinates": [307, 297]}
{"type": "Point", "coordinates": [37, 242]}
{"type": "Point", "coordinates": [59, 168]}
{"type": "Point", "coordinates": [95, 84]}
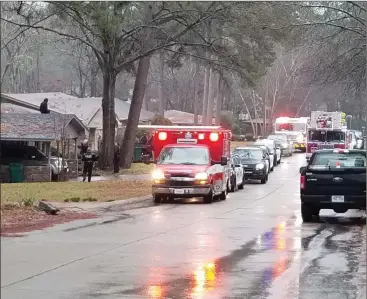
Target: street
{"type": "Point", "coordinates": [253, 245]}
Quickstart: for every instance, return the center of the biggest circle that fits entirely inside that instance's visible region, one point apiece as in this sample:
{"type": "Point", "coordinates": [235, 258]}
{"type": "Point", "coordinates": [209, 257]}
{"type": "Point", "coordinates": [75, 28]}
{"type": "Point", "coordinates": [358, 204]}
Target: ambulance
{"type": "Point", "coordinates": [190, 161]}
{"type": "Point", "coordinates": [328, 130]}
{"type": "Point", "coordinates": [295, 128]}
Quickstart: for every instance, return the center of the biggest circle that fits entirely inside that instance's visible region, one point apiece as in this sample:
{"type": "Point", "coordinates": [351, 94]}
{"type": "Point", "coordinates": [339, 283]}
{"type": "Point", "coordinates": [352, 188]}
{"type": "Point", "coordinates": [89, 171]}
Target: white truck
{"type": "Point", "coordinates": [296, 128]}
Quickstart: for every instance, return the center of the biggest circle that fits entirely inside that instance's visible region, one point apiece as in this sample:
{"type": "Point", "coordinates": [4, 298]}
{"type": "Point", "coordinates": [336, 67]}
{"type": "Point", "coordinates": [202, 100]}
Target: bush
{"type": "Point", "coordinates": [161, 121]}
{"type": "Point", "coordinates": [236, 129]}
{"type": "Point", "coordinates": [226, 120]}
{"type": "Point", "coordinates": [249, 137]}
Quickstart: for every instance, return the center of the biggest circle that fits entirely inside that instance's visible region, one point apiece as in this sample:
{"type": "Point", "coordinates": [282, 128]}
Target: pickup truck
{"type": "Point", "coordinates": [333, 179]}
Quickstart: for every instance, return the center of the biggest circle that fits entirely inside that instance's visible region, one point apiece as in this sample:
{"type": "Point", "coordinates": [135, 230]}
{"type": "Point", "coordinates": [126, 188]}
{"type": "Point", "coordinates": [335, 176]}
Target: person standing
{"type": "Point", "coordinates": [88, 159]}
{"type": "Point", "coordinates": [44, 107]}
{"type": "Point", "coordinates": [116, 158]}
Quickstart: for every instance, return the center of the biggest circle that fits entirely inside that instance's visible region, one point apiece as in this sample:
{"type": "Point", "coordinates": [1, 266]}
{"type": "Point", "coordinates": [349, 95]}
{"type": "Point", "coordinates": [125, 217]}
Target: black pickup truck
{"type": "Point", "coordinates": [333, 179]}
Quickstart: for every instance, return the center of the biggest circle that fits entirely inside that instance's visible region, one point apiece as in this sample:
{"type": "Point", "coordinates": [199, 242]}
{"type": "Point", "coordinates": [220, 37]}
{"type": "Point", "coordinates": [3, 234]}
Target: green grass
{"type": "Point", "coordinates": [74, 191]}
{"type": "Point", "coordinates": [235, 144]}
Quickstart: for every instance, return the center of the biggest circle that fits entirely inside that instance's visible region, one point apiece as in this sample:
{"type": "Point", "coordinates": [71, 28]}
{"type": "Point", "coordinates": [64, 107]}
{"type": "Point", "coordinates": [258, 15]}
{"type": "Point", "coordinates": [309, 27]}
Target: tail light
{"type": "Point", "coordinates": [303, 182]}
{"type": "Point", "coordinates": [201, 136]}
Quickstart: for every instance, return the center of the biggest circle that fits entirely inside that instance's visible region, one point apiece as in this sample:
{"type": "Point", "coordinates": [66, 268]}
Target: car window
{"type": "Point", "coordinates": [338, 160]}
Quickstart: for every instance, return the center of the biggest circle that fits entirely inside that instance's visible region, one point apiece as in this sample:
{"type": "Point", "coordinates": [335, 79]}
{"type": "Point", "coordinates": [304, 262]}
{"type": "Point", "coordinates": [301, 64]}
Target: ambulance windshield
{"type": "Point", "coordinates": [184, 156]}
{"type": "Point", "coordinates": [290, 127]}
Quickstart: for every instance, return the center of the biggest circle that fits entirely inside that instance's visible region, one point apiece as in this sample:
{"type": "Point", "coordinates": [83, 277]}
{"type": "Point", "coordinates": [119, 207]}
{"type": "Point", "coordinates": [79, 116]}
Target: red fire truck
{"type": "Point", "coordinates": [191, 161]}
{"type": "Point", "coordinates": [328, 130]}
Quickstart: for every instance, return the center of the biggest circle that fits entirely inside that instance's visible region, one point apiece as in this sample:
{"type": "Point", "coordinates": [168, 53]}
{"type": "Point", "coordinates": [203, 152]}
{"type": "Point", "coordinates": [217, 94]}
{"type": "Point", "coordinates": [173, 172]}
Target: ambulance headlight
{"type": "Point", "coordinates": [214, 137]}
{"type": "Point", "coordinates": [284, 145]}
{"type": "Point", "coordinates": [260, 166]}
{"type": "Point", "coordinates": [158, 174]}
{"type": "Point", "coordinates": [202, 176]}
{"type": "Point", "coordinates": [300, 139]}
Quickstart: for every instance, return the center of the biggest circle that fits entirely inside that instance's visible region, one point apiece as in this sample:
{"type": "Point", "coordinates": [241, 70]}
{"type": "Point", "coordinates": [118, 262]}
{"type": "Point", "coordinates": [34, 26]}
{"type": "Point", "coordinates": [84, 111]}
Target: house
{"type": "Point", "coordinates": [88, 110]}
{"type": "Point", "coordinates": [180, 118]}
{"type": "Point", "coordinates": [42, 130]}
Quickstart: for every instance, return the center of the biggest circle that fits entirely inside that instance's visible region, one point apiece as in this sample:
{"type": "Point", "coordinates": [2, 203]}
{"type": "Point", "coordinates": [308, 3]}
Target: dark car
{"type": "Point", "coordinates": [266, 152]}
{"type": "Point", "coordinates": [333, 179]}
{"type": "Point", "coordinates": [254, 163]}
{"type": "Point", "coordinates": [284, 142]}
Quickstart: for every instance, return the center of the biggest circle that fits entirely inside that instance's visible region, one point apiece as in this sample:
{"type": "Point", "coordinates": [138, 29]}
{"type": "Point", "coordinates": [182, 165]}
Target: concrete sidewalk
{"type": "Point", "coordinates": [113, 177]}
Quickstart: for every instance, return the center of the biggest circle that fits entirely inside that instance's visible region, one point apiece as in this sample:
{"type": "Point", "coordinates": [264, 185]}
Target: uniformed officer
{"type": "Point", "coordinates": [88, 158]}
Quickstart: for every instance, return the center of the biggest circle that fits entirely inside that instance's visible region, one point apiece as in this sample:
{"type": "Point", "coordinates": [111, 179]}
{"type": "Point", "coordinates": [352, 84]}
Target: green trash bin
{"type": "Point", "coordinates": [137, 153]}
{"type": "Point", "coordinates": [16, 172]}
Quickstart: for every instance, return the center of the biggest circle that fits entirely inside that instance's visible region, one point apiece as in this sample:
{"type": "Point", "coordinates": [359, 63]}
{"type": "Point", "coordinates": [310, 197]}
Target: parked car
{"type": "Point", "coordinates": [333, 179]}
{"type": "Point", "coordinates": [268, 157]}
{"type": "Point", "coordinates": [254, 162]}
{"type": "Point", "coordinates": [284, 142]}
{"type": "Point", "coordinates": [274, 149]}
{"type": "Point", "coordinates": [237, 178]}
{"type": "Point", "coordinates": [357, 139]}
{"type": "Point", "coordinates": [31, 156]}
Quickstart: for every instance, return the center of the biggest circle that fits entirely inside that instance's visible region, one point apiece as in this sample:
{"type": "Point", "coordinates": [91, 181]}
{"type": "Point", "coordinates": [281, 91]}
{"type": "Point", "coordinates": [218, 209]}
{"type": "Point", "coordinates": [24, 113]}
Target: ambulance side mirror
{"type": "Point", "coordinates": [224, 161]}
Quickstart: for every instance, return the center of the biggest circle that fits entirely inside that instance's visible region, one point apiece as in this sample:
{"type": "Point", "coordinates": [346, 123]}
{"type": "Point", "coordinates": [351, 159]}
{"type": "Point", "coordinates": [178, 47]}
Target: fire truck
{"type": "Point", "coordinates": [190, 161]}
{"type": "Point", "coordinates": [328, 130]}
{"type": "Point", "coordinates": [296, 128]}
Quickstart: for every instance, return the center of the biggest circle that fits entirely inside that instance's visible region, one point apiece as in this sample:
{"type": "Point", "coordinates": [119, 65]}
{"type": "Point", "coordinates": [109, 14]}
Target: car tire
{"type": "Point", "coordinates": [280, 160]}
{"type": "Point", "coordinates": [157, 199]}
{"type": "Point", "coordinates": [223, 196]}
{"type": "Point", "coordinates": [263, 180]}
{"type": "Point", "coordinates": [208, 198]}
{"type": "Point", "coordinates": [241, 186]}
{"type": "Point", "coordinates": [307, 213]}
{"type": "Point", "coordinates": [272, 168]}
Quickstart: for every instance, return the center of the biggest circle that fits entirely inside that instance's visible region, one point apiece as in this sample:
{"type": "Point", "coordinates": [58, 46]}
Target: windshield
{"type": "Point", "coordinates": [326, 136]}
{"type": "Point", "coordinates": [296, 127]}
{"type": "Point", "coordinates": [278, 137]}
{"type": "Point", "coordinates": [184, 156]}
{"type": "Point", "coordinates": [342, 160]}
{"type": "Point", "coordinates": [249, 154]}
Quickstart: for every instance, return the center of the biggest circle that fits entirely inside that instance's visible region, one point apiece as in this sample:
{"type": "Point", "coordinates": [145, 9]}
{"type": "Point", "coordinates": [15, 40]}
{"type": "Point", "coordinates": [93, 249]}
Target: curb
{"type": "Point", "coordinates": [123, 202]}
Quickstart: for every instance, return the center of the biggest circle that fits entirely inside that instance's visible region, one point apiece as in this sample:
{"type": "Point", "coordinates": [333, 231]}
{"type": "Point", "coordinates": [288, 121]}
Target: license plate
{"type": "Point", "coordinates": [248, 171]}
{"type": "Point", "coordinates": [182, 191]}
{"type": "Point", "coordinates": [337, 198]}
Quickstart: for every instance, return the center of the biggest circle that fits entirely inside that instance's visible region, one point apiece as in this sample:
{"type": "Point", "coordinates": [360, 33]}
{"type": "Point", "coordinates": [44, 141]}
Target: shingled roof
{"type": "Point", "coordinates": [37, 127]}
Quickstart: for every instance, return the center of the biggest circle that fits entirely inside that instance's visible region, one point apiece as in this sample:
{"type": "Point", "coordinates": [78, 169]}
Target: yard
{"type": "Point", "coordinates": [74, 191]}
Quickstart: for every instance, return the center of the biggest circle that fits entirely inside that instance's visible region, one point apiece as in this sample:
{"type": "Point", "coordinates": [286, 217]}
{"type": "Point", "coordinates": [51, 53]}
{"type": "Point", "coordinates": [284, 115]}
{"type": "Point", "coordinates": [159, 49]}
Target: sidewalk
{"type": "Point", "coordinates": [113, 177]}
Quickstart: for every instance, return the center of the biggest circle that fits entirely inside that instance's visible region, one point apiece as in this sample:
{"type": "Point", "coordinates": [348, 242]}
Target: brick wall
{"type": "Point", "coordinates": [31, 174]}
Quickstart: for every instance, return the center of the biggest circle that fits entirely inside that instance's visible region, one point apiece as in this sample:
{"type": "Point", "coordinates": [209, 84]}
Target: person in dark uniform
{"type": "Point", "coordinates": [88, 159]}
{"type": "Point", "coordinates": [116, 158]}
{"type": "Point", "coordinates": [44, 107]}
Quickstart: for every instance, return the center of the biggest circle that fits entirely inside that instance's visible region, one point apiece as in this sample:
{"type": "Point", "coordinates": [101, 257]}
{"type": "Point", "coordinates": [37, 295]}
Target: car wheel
{"type": "Point", "coordinates": [157, 199]}
{"type": "Point", "coordinates": [267, 177]}
{"type": "Point", "coordinates": [306, 212]}
{"type": "Point", "coordinates": [272, 168]}
{"type": "Point", "coordinates": [223, 196]}
{"type": "Point", "coordinates": [208, 198]}
{"type": "Point", "coordinates": [263, 180]}
{"type": "Point", "coordinates": [240, 186]}
{"type": "Point", "coordinates": [280, 160]}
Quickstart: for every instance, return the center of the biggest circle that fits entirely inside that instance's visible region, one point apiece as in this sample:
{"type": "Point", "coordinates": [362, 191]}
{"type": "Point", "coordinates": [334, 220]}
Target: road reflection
{"type": "Point", "coordinates": [204, 279]}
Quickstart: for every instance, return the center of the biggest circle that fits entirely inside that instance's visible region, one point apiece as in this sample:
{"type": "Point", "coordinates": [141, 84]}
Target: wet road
{"type": "Point", "coordinates": [252, 245]}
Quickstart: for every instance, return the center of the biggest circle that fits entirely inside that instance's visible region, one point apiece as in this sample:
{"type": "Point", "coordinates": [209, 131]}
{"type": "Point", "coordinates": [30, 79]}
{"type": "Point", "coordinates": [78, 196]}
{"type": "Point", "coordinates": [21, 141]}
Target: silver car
{"type": "Point", "coordinates": [284, 142]}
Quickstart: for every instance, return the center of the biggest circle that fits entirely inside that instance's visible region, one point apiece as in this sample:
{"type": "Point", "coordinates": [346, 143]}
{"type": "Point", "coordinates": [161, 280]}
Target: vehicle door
{"type": "Point", "coordinates": [238, 169]}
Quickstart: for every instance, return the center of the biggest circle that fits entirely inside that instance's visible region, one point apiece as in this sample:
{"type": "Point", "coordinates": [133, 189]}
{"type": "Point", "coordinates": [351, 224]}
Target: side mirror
{"type": "Point", "coordinates": [278, 148]}
{"type": "Point", "coordinates": [33, 157]}
{"type": "Point", "coordinates": [308, 159]}
{"type": "Point", "coordinates": [224, 161]}
{"type": "Point", "coordinates": [302, 169]}
{"type": "Point", "coordinates": [238, 165]}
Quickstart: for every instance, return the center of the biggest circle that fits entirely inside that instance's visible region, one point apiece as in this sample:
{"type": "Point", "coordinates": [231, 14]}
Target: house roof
{"type": "Point", "coordinates": [181, 117]}
{"type": "Point", "coordinates": [89, 110]}
{"type": "Point", "coordinates": [12, 108]}
{"type": "Point", "coordinates": [36, 126]}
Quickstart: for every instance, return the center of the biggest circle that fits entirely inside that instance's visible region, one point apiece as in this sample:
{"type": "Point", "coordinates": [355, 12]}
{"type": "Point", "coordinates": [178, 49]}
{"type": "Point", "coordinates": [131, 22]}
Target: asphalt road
{"type": "Point", "coordinates": [253, 245]}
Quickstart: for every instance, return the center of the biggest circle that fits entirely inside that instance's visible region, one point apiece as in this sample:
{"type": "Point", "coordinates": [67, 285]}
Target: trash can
{"type": "Point", "coordinates": [16, 172]}
{"type": "Point", "coordinates": [138, 149]}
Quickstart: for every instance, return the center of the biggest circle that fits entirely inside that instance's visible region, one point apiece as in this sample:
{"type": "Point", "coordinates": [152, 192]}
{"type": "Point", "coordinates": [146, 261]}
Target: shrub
{"type": "Point", "coordinates": [161, 121]}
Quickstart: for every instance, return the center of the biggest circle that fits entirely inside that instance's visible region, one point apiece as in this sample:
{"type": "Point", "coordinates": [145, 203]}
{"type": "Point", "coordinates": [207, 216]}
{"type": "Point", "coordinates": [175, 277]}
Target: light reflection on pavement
{"type": "Point", "coordinates": [253, 245]}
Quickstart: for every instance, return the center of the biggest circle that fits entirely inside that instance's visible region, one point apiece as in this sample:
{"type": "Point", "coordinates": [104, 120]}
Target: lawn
{"type": "Point", "coordinates": [136, 168]}
{"type": "Point", "coordinates": [74, 191]}
{"type": "Point", "coordinates": [235, 144]}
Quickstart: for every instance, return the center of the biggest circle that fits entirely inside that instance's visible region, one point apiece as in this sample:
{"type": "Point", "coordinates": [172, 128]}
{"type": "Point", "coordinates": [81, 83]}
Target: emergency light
{"type": "Point", "coordinates": [162, 135]}
{"type": "Point", "coordinates": [214, 137]}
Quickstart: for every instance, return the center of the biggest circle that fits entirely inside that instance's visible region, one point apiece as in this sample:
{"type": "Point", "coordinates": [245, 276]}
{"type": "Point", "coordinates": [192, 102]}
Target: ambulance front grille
{"type": "Point", "coordinates": [325, 146]}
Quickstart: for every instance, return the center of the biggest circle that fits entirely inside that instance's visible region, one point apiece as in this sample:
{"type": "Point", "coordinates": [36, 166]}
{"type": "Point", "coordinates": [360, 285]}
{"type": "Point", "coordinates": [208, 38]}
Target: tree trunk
{"type": "Point", "coordinates": [209, 114]}
{"type": "Point", "coordinates": [109, 117]}
{"type": "Point", "coordinates": [219, 100]}
{"type": "Point", "coordinates": [93, 80]}
{"type": "Point", "coordinates": [161, 76]}
{"type": "Point", "coordinates": [127, 148]}
{"type": "Point", "coordinates": [196, 94]}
